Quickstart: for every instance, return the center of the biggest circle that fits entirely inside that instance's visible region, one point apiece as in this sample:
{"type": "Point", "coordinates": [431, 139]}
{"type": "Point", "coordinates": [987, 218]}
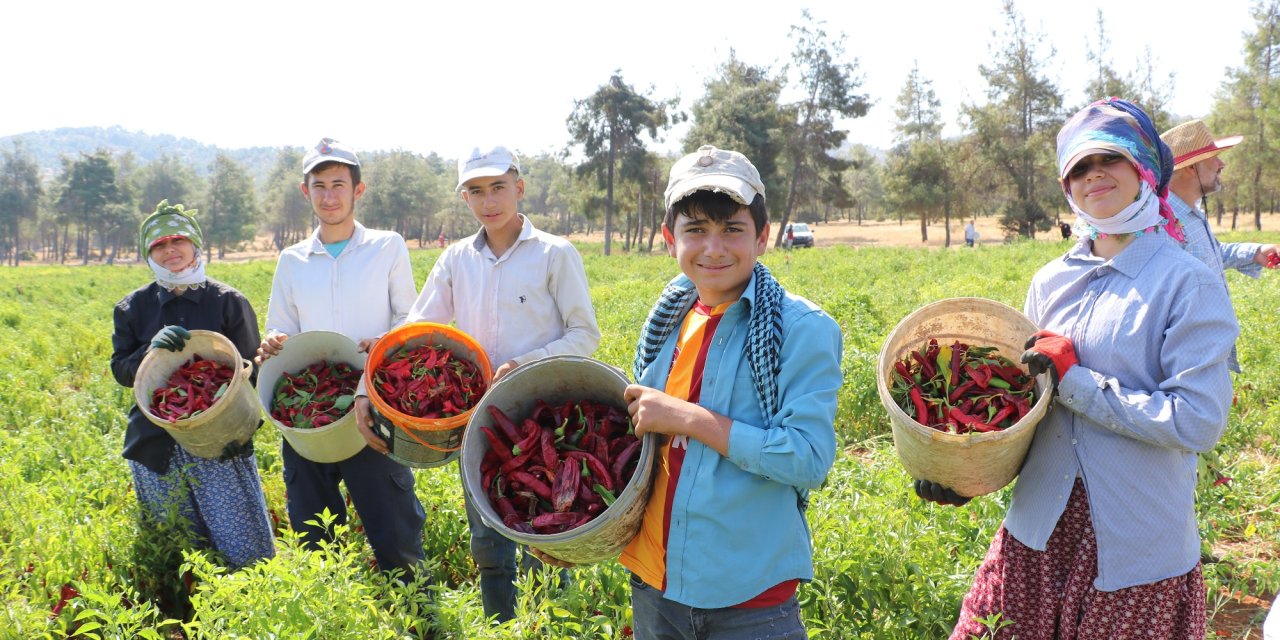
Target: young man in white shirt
{"type": "Point", "coordinates": [523, 295]}
{"type": "Point", "coordinates": [357, 282]}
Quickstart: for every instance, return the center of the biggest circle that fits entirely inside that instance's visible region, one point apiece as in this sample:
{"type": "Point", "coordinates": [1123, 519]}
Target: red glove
{"type": "Point", "coordinates": [1049, 351]}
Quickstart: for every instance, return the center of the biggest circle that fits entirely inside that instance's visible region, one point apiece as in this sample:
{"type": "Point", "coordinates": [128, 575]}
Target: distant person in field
{"type": "Point", "coordinates": [1197, 172]}
{"type": "Point", "coordinates": [522, 294]}
{"type": "Point", "coordinates": [221, 497]}
{"type": "Point", "coordinates": [1065, 229]}
{"type": "Point", "coordinates": [357, 282]}
{"type": "Point", "coordinates": [970, 233]}
{"type": "Point", "coordinates": [739, 378]}
{"type": "Point", "coordinates": [1100, 540]}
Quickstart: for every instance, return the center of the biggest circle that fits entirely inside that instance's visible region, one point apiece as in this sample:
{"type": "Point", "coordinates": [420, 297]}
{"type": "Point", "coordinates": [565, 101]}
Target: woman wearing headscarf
{"type": "Point", "coordinates": [1100, 540]}
{"type": "Point", "coordinates": [222, 498]}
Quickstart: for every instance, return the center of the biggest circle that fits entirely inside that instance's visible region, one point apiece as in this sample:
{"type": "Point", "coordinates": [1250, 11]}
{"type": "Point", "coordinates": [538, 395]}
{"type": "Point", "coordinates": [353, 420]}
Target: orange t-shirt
{"type": "Point", "coordinates": [646, 555]}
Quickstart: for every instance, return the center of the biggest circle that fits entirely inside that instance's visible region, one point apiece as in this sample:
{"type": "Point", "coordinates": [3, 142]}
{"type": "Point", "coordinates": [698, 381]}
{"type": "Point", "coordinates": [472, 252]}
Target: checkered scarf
{"type": "Point", "coordinates": [764, 332]}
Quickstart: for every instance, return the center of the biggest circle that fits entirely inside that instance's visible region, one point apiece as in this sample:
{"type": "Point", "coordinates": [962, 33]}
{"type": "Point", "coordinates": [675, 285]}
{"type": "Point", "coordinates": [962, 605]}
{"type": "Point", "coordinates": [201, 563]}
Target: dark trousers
{"type": "Point", "coordinates": [381, 490]}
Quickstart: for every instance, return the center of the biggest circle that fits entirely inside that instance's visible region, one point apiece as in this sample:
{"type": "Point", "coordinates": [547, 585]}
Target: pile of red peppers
{"type": "Point", "coordinates": [559, 468]}
{"type": "Point", "coordinates": [316, 396]}
{"type": "Point", "coordinates": [192, 389]}
{"type": "Point", "coordinates": [428, 382]}
{"type": "Point", "coordinates": [962, 389]}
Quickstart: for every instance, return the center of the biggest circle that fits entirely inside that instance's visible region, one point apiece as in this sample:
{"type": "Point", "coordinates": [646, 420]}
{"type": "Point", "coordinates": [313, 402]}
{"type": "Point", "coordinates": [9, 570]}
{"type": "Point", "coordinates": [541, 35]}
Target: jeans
{"type": "Point", "coordinates": [495, 558]}
{"type": "Point", "coordinates": [657, 618]}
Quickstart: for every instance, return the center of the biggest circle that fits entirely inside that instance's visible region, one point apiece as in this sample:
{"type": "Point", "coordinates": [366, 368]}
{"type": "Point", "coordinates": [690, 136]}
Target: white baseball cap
{"type": "Point", "coordinates": [328, 150]}
{"type": "Point", "coordinates": [483, 163]}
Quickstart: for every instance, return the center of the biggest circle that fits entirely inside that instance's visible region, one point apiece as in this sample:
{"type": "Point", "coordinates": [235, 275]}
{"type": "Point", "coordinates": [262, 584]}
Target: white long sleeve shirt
{"type": "Point", "coordinates": [531, 302]}
{"type": "Point", "coordinates": [364, 292]}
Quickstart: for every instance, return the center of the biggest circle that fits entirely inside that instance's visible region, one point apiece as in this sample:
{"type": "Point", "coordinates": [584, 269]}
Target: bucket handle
{"type": "Point", "coordinates": [411, 434]}
{"type": "Point", "coordinates": [386, 431]}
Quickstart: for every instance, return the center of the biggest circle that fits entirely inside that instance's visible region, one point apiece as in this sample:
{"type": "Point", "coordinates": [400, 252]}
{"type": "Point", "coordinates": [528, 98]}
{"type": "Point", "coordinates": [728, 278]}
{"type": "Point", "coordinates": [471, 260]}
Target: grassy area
{"type": "Point", "coordinates": [888, 566]}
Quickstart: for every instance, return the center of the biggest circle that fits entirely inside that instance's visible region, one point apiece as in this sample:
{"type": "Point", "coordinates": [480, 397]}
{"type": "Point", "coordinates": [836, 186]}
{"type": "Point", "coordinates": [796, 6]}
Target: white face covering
{"type": "Point", "coordinates": [190, 278]}
{"type": "Point", "coordinates": [1142, 214]}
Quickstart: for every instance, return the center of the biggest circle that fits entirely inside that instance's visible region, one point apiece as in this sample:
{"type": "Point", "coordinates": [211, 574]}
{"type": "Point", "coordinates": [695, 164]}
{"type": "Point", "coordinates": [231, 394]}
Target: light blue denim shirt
{"type": "Point", "coordinates": [1152, 329]}
{"type": "Point", "coordinates": [737, 524]}
{"type": "Point", "coordinates": [1201, 243]}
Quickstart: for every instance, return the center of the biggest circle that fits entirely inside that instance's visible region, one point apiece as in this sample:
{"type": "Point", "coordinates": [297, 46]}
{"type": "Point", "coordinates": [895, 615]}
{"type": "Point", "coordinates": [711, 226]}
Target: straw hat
{"type": "Point", "coordinates": [1191, 142]}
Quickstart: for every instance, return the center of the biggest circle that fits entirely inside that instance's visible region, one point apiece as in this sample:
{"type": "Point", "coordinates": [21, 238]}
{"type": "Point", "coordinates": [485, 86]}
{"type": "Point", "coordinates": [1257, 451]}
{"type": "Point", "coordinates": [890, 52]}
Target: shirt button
{"type": "Point", "coordinates": [1073, 441]}
{"type": "Point", "coordinates": [1065, 478]}
{"type": "Point", "coordinates": [1068, 400]}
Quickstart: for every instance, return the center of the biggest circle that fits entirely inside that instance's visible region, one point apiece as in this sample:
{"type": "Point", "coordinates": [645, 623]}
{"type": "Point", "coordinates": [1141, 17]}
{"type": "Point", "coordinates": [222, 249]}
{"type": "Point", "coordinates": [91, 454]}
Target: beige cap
{"type": "Point", "coordinates": [712, 169]}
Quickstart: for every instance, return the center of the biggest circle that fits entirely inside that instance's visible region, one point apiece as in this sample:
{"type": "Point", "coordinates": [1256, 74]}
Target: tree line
{"type": "Point", "coordinates": [786, 119]}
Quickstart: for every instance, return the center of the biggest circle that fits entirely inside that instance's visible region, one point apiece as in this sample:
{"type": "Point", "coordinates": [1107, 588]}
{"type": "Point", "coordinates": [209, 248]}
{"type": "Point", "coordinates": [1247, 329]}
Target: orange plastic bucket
{"type": "Point", "coordinates": [421, 442]}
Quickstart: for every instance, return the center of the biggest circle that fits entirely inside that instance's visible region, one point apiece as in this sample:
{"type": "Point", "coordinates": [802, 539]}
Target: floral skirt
{"type": "Point", "coordinates": [1049, 595]}
{"type": "Point", "coordinates": [222, 499]}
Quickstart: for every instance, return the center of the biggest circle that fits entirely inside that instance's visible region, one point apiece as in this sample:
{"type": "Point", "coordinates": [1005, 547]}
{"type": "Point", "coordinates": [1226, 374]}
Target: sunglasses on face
{"type": "Point", "coordinates": [1085, 165]}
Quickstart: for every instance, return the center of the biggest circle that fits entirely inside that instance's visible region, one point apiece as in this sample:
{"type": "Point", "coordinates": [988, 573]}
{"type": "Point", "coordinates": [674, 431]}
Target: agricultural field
{"type": "Point", "coordinates": [74, 561]}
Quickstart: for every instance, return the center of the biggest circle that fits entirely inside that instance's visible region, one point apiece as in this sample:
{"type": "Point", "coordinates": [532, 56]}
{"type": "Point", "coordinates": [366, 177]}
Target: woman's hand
{"type": "Point", "coordinates": [171, 338]}
{"type": "Point", "coordinates": [934, 492]}
{"type": "Point", "coordinates": [1049, 351]}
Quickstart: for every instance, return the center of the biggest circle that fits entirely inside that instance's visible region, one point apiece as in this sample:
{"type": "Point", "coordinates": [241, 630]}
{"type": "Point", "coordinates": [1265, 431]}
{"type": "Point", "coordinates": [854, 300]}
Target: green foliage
{"type": "Point", "coordinates": [608, 125]}
{"type": "Point", "coordinates": [741, 110]}
{"type": "Point", "coordinates": [1015, 129]}
{"type": "Point", "coordinates": [888, 567]}
{"type": "Point", "coordinates": [228, 218]}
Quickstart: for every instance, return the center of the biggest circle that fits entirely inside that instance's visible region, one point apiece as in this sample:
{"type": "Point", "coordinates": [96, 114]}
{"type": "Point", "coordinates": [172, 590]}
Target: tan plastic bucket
{"type": "Point", "coordinates": [234, 417]}
{"type": "Point", "coordinates": [557, 379]}
{"type": "Point", "coordinates": [419, 442]}
{"type": "Point", "coordinates": [972, 464]}
{"type": "Point", "coordinates": [333, 442]}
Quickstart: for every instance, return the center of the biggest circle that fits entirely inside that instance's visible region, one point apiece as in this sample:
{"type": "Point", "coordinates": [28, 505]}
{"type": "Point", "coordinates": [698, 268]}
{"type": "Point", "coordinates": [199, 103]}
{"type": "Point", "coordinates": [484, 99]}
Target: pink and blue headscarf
{"type": "Point", "coordinates": [1118, 126]}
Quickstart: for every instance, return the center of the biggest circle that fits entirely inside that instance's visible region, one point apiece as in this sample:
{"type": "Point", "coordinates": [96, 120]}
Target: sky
{"type": "Point", "coordinates": [445, 77]}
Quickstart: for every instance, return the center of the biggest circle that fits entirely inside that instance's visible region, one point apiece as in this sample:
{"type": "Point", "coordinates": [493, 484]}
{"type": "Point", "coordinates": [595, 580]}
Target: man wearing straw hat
{"type": "Point", "coordinates": [1197, 172]}
{"type": "Point", "coordinates": [221, 497]}
{"type": "Point", "coordinates": [357, 282]}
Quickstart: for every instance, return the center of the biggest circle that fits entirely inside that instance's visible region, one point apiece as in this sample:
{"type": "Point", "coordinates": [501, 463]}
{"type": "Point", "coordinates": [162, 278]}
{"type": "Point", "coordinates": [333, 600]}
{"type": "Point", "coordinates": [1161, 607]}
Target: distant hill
{"type": "Point", "coordinates": [47, 147]}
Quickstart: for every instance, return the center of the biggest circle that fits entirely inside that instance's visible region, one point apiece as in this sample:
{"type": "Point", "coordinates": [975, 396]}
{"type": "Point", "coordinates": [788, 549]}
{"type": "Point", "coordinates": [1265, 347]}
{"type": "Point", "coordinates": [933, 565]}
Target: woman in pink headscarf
{"type": "Point", "coordinates": [1100, 540]}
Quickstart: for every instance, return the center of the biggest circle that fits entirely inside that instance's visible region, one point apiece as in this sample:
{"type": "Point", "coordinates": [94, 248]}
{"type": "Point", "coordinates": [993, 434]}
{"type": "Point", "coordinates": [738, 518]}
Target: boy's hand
{"type": "Point", "coordinates": [270, 346]}
{"type": "Point", "coordinates": [504, 369]}
{"type": "Point", "coordinates": [546, 559]}
{"type": "Point", "coordinates": [654, 411]}
{"type": "Point", "coordinates": [364, 424]}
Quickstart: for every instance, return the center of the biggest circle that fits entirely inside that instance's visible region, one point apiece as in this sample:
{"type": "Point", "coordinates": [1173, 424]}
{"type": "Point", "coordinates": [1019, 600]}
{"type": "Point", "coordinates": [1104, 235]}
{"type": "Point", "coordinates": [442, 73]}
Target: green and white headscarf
{"type": "Point", "coordinates": [173, 221]}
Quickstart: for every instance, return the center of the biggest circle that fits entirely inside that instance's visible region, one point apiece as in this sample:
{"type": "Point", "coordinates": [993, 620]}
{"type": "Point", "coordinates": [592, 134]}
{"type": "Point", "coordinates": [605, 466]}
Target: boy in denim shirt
{"type": "Point", "coordinates": [740, 377]}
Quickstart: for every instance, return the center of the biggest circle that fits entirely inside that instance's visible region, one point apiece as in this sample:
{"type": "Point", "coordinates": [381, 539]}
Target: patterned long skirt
{"type": "Point", "coordinates": [1049, 595]}
{"type": "Point", "coordinates": [223, 500]}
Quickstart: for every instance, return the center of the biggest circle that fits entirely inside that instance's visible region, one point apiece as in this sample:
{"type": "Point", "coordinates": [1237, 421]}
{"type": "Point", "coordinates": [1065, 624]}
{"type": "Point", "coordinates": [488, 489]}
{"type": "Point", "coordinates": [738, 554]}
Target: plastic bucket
{"type": "Point", "coordinates": [333, 442]}
{"type": "Point", "coordinates": [971, 464]}
{"type": "Point", "coordinates": [420, 442]}
{"type": "Point", "coordinates": [558, 379]}
{"type": "Point", "coordinates": [233, 418]}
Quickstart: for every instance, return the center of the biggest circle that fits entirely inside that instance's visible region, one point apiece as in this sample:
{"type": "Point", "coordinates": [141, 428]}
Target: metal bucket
{"type": "Point", "coordinates": [558, 379]}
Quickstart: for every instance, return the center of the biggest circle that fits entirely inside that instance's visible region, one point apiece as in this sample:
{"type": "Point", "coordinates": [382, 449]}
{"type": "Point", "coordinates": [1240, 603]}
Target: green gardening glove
{"type": "Point", "coordinates": [172, 338]}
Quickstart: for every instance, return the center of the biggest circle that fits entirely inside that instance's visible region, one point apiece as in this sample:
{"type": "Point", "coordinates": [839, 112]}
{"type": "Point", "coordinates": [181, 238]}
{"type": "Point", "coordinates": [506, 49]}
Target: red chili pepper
{"type": "Point", "coordinates": [546, 438]}
{"type": "Point", "coordinates": [620, 464]}
{"type": "Point", "coordinates": [508, 427]}
{"type": "Point", "coordinates": [497, 445]}
{"type": "Point", "coordinates": [531, 483]}
{"type": "Point", "coordinates": [565, 487]}
{"type": "Point", "coordinates": [972, 422]}
{"type": "Point", "coordinates": [922, 412]}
